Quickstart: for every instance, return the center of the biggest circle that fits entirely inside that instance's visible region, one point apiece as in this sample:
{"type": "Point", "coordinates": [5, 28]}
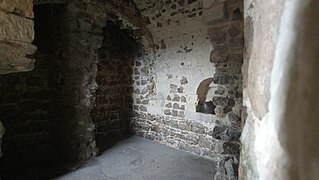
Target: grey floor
{"type": "Point", "coordinates": [137, 158]}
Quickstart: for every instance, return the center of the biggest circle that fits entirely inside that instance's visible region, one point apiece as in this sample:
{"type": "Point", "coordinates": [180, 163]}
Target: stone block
{"type": "Point", "coordinates": [231, 148]}
{"type": "Point", "coordinates": [22, 8]}
{"type": "Point", "coordinates": [176, 98]}
{"type": "Point", "coordinates": [175, 106]}
{"type": "Point", "coordinates": [173, 123]}
{"type": "Point", "coordinates": [143, 108]}
{"type": "Point", "coordinates": [236, 43]}
{"type": "Point", "coordinates": [183, 99]}
{"type": "Point", "coordinates": [189, 148]}
{"type": "Point", "coordinates": [168, 105]}
{"type": "Point", "coordinates": [174, 113]}
{"type": "Point", "coordinates": [184, 126]}
{"type": "Point", "coordinates": [180, 90]}
{"type": "Point", "coordinates": [192, 139]}
{"type": "Point", "coordinates": [198, 128]}
{"type": "Point", "coordinates": [220, 111]}
{"type": "Point", "coordinates": [233, 133]}
{"type": "Point", "coordinates": [181, 114]}
{"type": "Point", "coordinates": [207, 3]}
{"type": "Point", "coordinates": [219, 55]}
{"type": "Point", "coordinates": [233, 68]}
{"type": "Point", "coordinates": [216, 13]}
{"type": "Point", "coordinates": [220, 101]}
{"type": "Point", "coordinates": [218, 33]}
{"type": "Point", "coordinates": [224, 79]}
{"type": "Point", "coordinates": [167, 112]}
{"type": "Point", "coordinates": [16, 28]}
{"type": "Point", "coordinates": [204, 142]}
{"type": "Point", "coordinates": [235, 28]}
{"type": "Point", "coordinates": [14, 57]}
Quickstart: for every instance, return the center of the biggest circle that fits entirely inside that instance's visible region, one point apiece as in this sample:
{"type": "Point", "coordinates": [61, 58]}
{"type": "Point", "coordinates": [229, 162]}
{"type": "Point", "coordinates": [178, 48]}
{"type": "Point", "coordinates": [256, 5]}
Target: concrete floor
{"type": "Point", "coordinates": [137, 158]}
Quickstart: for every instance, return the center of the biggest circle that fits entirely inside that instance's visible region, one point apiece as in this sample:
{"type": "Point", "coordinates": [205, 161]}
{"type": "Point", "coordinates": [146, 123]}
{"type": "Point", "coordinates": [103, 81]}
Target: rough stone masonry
{"type": "Point", "coordinates": [182, 43]}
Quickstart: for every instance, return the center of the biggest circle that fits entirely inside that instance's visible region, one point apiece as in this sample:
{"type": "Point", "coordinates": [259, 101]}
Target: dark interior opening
{"type": "Point", "coordinates": [204, 105]}
{"type": "Point", "coordinates": [113, 103]}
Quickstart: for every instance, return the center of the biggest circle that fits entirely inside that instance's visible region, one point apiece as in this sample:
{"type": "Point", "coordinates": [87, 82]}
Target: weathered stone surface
{"type": "Point", "coordinates": [215, 13]}
{"type": "Point", "coordinates": [235, 28]}
{"type": "Point", "coordinates": [21, 8]}
{"type": "Point", "coordinates": [220, 101]}
{"type": "Point", "coordinates": [234, 68]}
{"type": "Point", "coordinates": [226, 133]}
{"type": "Point", "coordinates": [13, 57]}
{"type": "Point", "coordinates": [198, 128]}
{"type": "Point", "coordinates": [218, 34]}
{"type": "Point", "coordinates": [231, 148]}
{"type": "Point", "coordinates": [219, 55]}
{"type": "Point", "coordinates": [15, 28]}
{"type": "Point", "coordinates": [167, 112]}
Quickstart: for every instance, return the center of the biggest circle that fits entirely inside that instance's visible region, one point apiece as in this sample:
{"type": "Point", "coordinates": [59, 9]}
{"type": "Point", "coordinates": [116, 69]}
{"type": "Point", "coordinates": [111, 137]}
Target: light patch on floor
{"type": "Point", "coordinates": [139, 159]}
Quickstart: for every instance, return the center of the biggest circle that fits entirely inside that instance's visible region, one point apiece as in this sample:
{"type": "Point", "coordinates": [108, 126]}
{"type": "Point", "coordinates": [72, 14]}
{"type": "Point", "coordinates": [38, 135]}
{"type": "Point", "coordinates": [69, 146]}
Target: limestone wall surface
{"type": "Point", "coordinates": [280, 69]}
{"type": "Point", "coordinates": [261, 34]}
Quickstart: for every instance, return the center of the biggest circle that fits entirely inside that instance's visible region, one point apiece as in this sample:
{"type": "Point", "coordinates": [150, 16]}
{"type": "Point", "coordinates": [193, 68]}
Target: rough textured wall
{"type": "Point", "coordinates": [280, 137]}
{"type": "Point", "coordinates": [82, 39]}
{"type": "Point", "coordinates": [113, 98]}
{"type": "Point", "coordinates": [261, 34]}
{"type": "Point", "coordinates": [16, 35]}
{"type": "Point", "coordinates": [194, 41]}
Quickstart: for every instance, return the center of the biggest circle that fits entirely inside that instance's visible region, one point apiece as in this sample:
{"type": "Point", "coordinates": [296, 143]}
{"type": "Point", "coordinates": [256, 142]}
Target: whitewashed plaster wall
{"type": "Point", "coordinates": [183, 48]}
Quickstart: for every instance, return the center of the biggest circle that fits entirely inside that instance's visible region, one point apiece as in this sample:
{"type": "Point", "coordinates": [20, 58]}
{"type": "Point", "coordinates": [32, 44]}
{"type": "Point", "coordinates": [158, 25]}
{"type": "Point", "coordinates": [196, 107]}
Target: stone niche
{"type": "Point", "coordinates": [113, 98]}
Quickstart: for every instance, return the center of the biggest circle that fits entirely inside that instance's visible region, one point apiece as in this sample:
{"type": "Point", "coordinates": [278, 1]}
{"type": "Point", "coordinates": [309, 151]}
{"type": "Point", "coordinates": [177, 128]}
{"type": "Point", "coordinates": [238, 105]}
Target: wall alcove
{"type": "Point", "coordinates": [113, 105]}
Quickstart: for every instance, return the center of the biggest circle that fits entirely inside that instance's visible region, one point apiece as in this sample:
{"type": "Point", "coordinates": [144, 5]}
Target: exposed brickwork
{"type": "Point", "coordinates": [207, 138]}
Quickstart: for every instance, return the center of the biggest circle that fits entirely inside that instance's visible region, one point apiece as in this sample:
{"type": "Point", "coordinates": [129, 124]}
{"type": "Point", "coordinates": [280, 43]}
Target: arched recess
{"type": "Point", "coordinates": [82, 55]}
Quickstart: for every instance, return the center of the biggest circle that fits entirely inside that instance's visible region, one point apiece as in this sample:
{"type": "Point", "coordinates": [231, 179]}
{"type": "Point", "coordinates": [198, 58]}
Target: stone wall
{"type": "Point", "coordinates": [113, 98]}
{"type": "Point", "coordinates": [82, 72]}
{"type": "Point", "coordinates": [279, 139]}
{"type": "Point", "coordinates": [194, 41]}
{"type": "Point", "coordinates": [16, 35]}
{"type": "Point", "coordinates": [261, 34]}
